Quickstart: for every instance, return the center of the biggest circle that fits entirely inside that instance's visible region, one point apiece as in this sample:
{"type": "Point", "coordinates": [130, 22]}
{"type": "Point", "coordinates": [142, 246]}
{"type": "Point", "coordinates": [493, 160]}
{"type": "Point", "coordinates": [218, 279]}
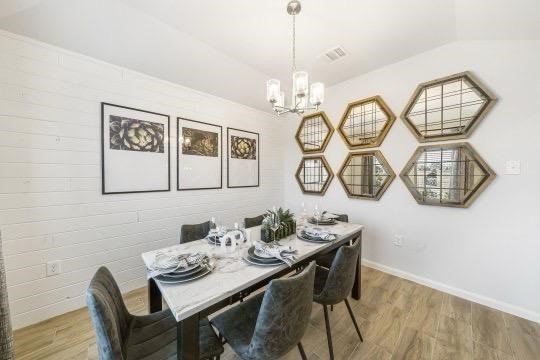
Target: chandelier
{"type": "Point", "coordinates": [302, 93]}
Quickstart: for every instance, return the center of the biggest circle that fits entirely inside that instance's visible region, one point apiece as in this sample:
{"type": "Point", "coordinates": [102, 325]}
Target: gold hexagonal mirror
{"type": "Point", "coordinates": [446, 175]}
{"type": "Point", "coordinates": [447, 108]}
{"type": "Point", "coordinates": [314, 175]}
{"type": "Point", "coordinates": [314, 132]}
{"type": "Point", "coordinates": [366, 175]}
{"type": "Point", "coordinates": [366, 122]}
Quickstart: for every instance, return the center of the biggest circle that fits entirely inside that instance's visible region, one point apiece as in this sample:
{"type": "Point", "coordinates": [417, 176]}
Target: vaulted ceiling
{"type": "Point", "coordinates": [230, 48]}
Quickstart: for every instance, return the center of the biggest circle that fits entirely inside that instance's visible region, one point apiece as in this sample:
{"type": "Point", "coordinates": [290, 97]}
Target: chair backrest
{"type": "Point", "coordinates": [6, 336]}
{"type": "Point", "coordinates": [109, 315]}
{"type": "Point", "coordinates": [194, 232]}
{"type": "Point", "coordinates": [283, 316]}
{"type": "Point", "coordinates": [254, 221]}
{"type": "Point", "coordinates": [341, 275]}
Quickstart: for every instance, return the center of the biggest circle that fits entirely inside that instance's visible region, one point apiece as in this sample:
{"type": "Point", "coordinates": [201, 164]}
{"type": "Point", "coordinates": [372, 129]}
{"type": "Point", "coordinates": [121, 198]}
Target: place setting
{"type": "Point", "coordinates": [180, 268]}
{"type": "Point", "coordinates": [316, 235]}
{"type": "Point", "coordinates": [270, 254]}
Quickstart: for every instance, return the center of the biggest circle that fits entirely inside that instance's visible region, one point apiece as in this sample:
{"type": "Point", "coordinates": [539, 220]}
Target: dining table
{"type": "Point", "coordinates": [232, 280]}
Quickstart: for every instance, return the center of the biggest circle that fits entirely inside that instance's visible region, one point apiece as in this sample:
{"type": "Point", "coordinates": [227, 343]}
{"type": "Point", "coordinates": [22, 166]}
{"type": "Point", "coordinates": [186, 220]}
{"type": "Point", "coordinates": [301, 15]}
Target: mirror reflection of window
{"type": "Point", "coordinates": [447, 175]}
{"type": "Point", "coordinates": [447, 107]}
{"type": "Point", "coordinates": [314, 174]}
{"type": "Point", "coordinates": [366, 122]}
{"type": "Point", "coordinates": [366, 175]}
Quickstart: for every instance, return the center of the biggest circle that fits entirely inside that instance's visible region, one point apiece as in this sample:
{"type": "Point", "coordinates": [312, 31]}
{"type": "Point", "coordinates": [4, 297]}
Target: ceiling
{"type": "Point", "coordinates": [230, 48]}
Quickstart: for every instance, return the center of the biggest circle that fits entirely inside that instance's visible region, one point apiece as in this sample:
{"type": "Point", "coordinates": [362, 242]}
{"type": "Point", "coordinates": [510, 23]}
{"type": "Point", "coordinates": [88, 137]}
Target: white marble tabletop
{"type": "Point", "coordinates": [231, 275]}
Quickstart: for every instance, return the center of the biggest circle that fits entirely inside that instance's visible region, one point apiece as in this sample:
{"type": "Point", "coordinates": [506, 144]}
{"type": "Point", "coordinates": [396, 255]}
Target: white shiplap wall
{"type": "Point", "coordinates": [51, 207]}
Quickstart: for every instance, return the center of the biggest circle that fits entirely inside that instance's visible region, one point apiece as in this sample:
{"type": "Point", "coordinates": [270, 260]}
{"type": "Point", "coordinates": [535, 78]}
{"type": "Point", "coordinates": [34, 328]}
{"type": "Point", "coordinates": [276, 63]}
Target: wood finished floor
{"type": "Point", "coordinates": [398, 318]}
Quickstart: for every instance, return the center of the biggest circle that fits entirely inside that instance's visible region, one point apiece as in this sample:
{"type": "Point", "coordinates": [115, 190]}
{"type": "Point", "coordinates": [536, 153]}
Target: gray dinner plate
{"type": "Point", "coordinates": [313, 239]}
{"type": "Point", "coordinates": [322, 222]}
{"type": "Point", "coordinates": [255, 262]}
{"type": "Point", "coordinates": [261, 259]}
{"type": "Point", "coordinates": [179, 280]}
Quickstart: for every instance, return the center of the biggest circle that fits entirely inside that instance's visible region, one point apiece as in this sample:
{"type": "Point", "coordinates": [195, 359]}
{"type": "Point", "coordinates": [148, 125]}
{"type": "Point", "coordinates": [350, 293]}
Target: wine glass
{"type": "Point", "coordinates": [275, 224]}
{"type": "Point", "coordinates": [316, 214]}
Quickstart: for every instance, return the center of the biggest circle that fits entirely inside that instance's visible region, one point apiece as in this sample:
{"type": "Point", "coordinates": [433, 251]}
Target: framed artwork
{"type": "Point", "coordinates": [135, 150]}
{"type": "Point", "coordinates": [242, 158]}
{"type": "Point", "coordinates": [198, 155]}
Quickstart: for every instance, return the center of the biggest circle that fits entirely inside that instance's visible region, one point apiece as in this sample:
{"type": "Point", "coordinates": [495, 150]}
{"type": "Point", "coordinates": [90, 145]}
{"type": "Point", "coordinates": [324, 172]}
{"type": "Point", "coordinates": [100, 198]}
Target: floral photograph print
{"type": "Point", "coordinates": [135, 150]}
{"type": "Point", "coordinates": [243, 148]}
{"type": "Point", "coordinates": [199, 142]}
{"type": "Point", "coordinates": [242, 158]}
{"type": "Point", "coordinates": [199, 159]}
{"type": "Point", "coordinates": [136, 135]}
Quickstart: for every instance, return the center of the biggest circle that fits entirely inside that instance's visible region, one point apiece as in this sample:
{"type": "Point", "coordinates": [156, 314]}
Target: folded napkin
{"type": "Point", "coordinates": [281, 252]}
{"type": "Point", "coordinates": [168, 263]}
{"type": "Point", "coordinates": [319, 233]}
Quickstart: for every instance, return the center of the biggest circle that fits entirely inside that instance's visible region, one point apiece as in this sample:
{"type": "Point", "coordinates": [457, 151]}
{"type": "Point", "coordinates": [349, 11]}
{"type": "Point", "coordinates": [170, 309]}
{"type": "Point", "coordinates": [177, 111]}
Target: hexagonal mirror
{"type": "Point", "coordinates": [314, 132]}
{"type": "Point", "coordinates": [446, 175]}
{"type": "Point", "coordinates": [447, 108]}
{"type": "Point", "coordinates": [366, 122]}
{"type": "Point", "coordinates": [366, 175]}
{"type": "Point", "coordinates": [314, 175]}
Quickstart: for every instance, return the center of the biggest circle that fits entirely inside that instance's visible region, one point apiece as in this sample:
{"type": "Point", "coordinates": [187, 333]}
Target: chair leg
{"type": "Point", "coordinates": [302, 352]}
{"type": "Point", "coordinates": [354, 320]}
{"type": "Point", "coordinates": [331, 307]}
{"type": "Point", "coordinates": [328, 334]}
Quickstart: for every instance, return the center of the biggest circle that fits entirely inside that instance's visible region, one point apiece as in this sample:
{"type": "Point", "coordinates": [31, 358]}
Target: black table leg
{"type": "Point", "coordinates": [357, 287]}
{"type": "Point", "coordinates": [188, 338]}
{"type": "Point", "coordinates": [154, 296]}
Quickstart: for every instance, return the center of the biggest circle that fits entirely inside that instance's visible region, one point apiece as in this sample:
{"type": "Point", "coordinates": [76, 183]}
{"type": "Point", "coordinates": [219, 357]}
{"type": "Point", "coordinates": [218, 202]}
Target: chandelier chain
{"type": "Point", "coordinates": [294, 43]}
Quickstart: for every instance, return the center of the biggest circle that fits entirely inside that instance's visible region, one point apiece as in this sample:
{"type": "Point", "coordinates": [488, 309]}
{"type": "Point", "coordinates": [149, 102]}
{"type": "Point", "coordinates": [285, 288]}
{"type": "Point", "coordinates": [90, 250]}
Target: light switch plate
{"type": "Point", "coordinates": [513, 167]}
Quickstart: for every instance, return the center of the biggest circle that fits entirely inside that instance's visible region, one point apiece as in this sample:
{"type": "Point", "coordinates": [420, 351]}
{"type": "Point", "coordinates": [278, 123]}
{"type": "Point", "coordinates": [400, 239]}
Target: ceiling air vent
{"type": "Point", "coordinates": [334, 54]}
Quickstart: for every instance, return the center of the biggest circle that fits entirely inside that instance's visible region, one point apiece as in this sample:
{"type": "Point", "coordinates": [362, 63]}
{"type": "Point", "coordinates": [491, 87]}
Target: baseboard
{"type": "Point", "coordinates": [477, 298]}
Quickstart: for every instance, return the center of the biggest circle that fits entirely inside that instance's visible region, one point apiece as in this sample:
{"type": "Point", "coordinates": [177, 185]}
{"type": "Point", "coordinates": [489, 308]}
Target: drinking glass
{"type": "Point", "coordinates": [275, 224]}
{"type": "Point", "coordinates": [316, 214]}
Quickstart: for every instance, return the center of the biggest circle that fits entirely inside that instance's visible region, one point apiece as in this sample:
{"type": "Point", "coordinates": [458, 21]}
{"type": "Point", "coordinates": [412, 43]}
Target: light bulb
{"type": "Point", "coordinates": [300, 83]}
{"type": "Point", "coordinates": [316, 93]}
{"type": "Point", "coordinates": [272, 90]}
{"type": "Point", "coordinates": [280, 103]}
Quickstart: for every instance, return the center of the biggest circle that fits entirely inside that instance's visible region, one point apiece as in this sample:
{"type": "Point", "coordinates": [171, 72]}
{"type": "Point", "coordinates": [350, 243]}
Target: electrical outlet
{"type": "Point", "coordinates": [54, 268]}
{"type": "Point", "coordinates": [398, 240]}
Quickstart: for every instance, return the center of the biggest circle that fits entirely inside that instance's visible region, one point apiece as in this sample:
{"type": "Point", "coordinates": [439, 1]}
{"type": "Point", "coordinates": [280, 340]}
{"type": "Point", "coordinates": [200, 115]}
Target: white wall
{"type": "Point", "coordinates": [489, 252]}
{"type": "Point", "coordinates": [51, 207]}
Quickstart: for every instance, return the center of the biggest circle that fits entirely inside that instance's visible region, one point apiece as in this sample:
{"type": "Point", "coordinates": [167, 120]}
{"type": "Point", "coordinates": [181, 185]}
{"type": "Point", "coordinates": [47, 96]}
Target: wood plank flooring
{"type": "Point", "coordinates": [398, 319]}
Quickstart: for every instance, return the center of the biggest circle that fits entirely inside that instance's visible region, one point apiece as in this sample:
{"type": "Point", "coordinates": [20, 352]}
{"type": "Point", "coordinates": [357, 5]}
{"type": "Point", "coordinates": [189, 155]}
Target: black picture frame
{"type": "Point", "coordinates": [168, 148]}
{"type": "Point", "coordinates": [258, 154]}
{"type": "Point", "coordinates": [178, 119]}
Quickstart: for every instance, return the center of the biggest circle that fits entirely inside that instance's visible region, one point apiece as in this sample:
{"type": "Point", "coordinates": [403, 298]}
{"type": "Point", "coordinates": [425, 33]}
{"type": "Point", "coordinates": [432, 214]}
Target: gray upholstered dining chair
{"type": "Point", "coordinates": [6, 336]}
{"type": "Point", "coordinates": [270, 324]}
{"type": "Point", "coordinates": [194, 232]}
{"type": "Point", "coordinates": [254, 221]}
{"type": "Point", "coordinates": [334, 285]}
{"type": "Point", "coordinates": [121, 335]}
{"type": "Point", "coordinates": [327, 259]}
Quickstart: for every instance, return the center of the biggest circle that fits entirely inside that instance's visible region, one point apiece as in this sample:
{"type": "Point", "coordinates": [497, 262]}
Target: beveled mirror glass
{"type": "Point", "coordinates": [366, 175]}
{"type": "Point", "coordinates": [447, 108]}
{"type": "Point", "coordinates": [366, 122]}
{"type": "Point", "coordinates": [446, 175]}
{"type": "Point", "coordinates": [314, 133]}
{"type": "Point", "coordinates": [314, 175]}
